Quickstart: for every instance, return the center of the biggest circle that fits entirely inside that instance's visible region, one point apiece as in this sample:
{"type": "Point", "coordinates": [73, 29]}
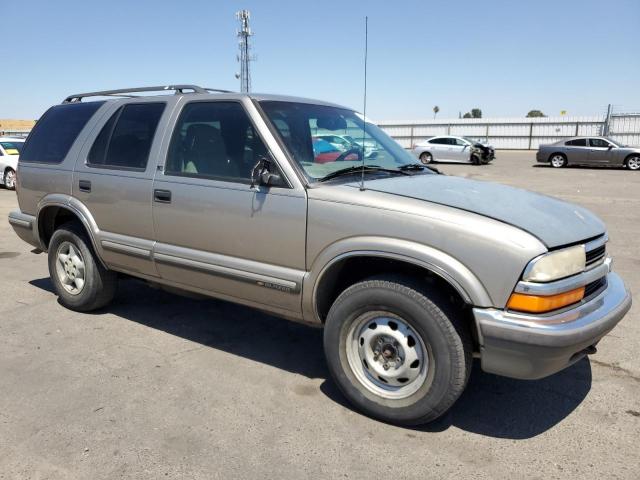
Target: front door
{"type": "Point", "coordinates": [459, 150]}
{"type": "Point", "coordinates": [600, 151]}
{"type": "Point", "coordinates": [214, 231]}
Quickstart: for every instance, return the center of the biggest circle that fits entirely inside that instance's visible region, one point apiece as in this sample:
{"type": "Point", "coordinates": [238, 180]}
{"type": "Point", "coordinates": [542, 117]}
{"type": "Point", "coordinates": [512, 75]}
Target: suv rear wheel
{"type": "Point", "coordinates": [397, 354]}
{"type": "Point", "coordinates": [81, 282]}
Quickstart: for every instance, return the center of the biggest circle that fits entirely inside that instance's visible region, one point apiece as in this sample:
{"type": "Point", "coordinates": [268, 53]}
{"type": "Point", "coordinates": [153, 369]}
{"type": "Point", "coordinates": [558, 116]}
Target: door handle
{"type": "Point", "coordinates": [162, 196]}
{"type": "Point", "coordinates": [84, 185]}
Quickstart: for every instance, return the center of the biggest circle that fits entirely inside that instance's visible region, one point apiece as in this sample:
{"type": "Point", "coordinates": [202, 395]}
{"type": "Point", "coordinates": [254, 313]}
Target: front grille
{"type": "Point", "coordinates": [595, 287]}
{"type": "Point", "coordinates": [594, 256]}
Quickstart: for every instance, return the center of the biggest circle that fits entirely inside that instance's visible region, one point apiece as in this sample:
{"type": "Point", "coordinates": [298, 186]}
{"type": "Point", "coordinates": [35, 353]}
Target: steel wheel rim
{"type": "Point", "coordinates": [425, 158]}
{"type": "Point", "coordinates": [70, 268]}
{"type": "Point", "coordinates": [634, 163]}
{"type": "Point", "coordinates": [557, 161]}
{"type": "Point", "coordinates": [10, 179]}
{"type": "Point", "coordinates": [394, 343]}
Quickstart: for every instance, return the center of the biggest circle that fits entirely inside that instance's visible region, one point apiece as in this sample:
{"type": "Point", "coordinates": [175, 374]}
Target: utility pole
{"type": "Point", "coordinates": [607, 122]}
{"type": "Point", "coordinates": [243, 56]}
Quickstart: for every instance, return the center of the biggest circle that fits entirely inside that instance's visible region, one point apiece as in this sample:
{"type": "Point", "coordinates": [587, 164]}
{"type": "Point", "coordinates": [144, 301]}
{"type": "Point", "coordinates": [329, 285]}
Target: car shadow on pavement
{"type": "Point", "coordinates": [579, 167]}
{"type": "Point", "coordinates": [491, 405]}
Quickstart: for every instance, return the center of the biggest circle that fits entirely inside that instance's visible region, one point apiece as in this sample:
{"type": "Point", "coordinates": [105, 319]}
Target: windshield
{"type": "Point", "coordinates": [324, 139]}
{"type": "Point", "coordinates": [12, 148]}
{"type": "Point", "coordinates": [471, 140]}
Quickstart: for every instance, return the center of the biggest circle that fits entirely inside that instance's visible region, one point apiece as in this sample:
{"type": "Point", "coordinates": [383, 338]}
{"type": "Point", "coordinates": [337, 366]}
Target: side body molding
{"type": "Point", "coordinates": [438, 262]}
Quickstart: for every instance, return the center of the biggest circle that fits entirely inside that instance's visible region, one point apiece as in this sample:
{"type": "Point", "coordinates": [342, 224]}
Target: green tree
{"type": "Point", "coordinates": [535, 114]}
{"type": "Point", "coordinates": [476, 113]}
{"type": "Point", "coordinates": [436, 109]}
{"type": "Point", "coordinates": [467, 115]}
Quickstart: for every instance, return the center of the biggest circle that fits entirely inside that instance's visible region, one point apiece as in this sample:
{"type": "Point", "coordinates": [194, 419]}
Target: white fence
{"type": "Point", "coordinates": [517, 133]}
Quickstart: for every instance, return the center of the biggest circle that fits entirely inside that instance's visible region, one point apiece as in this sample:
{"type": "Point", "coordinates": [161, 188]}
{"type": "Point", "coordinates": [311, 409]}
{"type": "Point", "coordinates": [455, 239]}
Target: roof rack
{"type": "Point", "coordinates": [125, 92]}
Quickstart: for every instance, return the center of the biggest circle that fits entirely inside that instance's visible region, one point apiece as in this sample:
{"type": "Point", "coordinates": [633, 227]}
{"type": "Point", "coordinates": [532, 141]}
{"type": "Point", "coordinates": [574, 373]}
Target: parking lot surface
{"type": "Point", "coordinates": [161, 386]}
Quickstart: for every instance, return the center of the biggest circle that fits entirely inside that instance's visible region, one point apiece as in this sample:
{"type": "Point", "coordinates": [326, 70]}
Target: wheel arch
{"type": "Point", "coordinates": [558, 152]}
{"type": "Point", "coordinates": [342, 269]}
{"type": "Point", "coordinates": [57, 209]}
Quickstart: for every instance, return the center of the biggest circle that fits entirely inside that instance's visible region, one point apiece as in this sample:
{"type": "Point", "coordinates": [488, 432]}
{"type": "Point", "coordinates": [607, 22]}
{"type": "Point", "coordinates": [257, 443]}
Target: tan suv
{"type": "Point", "coordinates": [411, 273]}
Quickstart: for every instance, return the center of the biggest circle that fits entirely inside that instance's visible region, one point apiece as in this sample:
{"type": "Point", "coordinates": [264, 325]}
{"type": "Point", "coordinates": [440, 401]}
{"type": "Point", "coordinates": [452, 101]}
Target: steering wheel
{"type": "Point", "coordinates": [352, 151]}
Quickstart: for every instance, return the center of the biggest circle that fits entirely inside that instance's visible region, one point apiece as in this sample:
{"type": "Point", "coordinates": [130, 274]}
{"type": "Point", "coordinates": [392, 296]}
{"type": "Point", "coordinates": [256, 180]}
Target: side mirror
{"type": "Point", "coordinates": [610, 146]}
{"type": "Point", "coordinates": [270, 179]}
{"type": "Point", "coordinates": [261, 174]}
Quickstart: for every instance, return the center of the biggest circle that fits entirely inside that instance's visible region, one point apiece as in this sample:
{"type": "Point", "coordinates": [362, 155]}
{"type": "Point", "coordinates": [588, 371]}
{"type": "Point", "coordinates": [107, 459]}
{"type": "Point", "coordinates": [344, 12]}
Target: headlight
{"type": "Point", "coordinates": [555, 265]}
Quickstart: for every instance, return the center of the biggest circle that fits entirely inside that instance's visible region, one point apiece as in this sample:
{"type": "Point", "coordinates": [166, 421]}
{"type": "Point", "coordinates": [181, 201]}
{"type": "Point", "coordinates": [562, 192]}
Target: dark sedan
{"type": "Point", "coordinates": [592, 151]}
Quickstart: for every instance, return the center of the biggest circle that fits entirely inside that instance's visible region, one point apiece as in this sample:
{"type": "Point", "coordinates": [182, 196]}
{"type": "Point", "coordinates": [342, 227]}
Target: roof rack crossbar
{"type": "Point", "coordinates": [124, 92]}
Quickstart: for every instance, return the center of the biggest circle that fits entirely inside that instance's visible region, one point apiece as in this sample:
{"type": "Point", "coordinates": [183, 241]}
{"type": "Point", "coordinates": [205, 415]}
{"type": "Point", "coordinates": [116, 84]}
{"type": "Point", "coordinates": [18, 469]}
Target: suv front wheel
{"type": "Point", "coordinates": [80, 281]}
{"type": "Point", "coordinates": [397, 354]}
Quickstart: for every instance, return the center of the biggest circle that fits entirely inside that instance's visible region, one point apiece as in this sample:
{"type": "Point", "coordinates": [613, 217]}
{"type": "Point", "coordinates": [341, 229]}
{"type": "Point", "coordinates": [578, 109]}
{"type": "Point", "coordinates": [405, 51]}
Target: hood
{"type": "Point", "coordinates": [554, 222]}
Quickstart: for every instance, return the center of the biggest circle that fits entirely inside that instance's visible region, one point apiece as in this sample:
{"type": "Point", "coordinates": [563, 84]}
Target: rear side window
{"type": "Point", "coordinates": [53, 135]}
{"type": "Point", "coordinates": [580, 142]}
{"type": "Point", "coordinates": [125, 140]}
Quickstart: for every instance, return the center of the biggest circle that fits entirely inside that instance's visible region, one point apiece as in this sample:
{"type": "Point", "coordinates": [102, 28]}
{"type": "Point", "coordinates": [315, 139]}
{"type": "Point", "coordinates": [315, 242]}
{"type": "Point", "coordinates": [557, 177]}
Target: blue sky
{"type": "Point", "coordinates": [505, 57]}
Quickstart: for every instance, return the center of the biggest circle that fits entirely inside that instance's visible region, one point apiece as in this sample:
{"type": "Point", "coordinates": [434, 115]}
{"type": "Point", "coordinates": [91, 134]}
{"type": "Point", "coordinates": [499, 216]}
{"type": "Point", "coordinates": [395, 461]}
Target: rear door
{"type": "Point", "coordinates": [113, 179]}
{"type": "Point", "coordinates": [577, 151]}
{"type": "Point", "coordinates": [214, 231]}
{"type": "Point", "coordinates": [438, 148]}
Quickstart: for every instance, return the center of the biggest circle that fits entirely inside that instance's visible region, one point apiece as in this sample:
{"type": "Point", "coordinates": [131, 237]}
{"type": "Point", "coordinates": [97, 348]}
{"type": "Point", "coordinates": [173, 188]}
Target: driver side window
{"type": "Point", "coordinates": [214, 140]}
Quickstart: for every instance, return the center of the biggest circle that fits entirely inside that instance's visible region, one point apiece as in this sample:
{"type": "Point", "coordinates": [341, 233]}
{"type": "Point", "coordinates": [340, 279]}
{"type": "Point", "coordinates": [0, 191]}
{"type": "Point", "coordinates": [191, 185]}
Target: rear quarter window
{"type": "Point", "coordinates": [54, 134]}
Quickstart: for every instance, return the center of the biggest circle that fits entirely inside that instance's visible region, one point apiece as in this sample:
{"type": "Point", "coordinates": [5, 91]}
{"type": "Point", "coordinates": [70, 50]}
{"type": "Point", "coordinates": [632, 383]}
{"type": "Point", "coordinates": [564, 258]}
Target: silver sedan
{"type": "Point", "coordinates": [447, 148]}
{"type": "Point", "coordinates": [592, 151]}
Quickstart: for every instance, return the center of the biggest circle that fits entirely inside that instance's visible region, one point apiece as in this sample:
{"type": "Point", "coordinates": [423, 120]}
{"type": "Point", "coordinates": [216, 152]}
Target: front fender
{"type": "Point", "coordinates": [453, 271]}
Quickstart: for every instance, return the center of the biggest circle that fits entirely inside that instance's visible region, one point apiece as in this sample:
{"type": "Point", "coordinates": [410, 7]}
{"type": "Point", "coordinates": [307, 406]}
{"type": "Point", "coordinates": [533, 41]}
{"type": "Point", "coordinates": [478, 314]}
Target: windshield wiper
{"type": "Point", "coordinates": [360, 168]}
{"type": "Point", "coordinates": [411, 166]}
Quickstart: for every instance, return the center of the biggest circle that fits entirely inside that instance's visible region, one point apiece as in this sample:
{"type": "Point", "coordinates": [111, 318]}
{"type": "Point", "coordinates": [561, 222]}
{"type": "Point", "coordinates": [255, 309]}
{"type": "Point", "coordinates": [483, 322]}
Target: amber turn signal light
{"type": "Point", "coordinates": [541, 304]}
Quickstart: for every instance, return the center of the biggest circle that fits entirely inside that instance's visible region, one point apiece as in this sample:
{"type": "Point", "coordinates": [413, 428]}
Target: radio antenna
{"type": "Point", "coordinates": [364, 110]}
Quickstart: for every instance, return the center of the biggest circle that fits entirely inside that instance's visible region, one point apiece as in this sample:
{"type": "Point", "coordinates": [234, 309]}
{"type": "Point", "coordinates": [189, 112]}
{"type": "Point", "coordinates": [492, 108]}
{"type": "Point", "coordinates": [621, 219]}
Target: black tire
{"type": "Point", "coordinates": [632, 163]}
{"type": "Point", "coordinates": [99, 283]}
{"type": "Point", "coordinates": [440, 327]}
{"type": "Point", "coordinates": [9, 179]}
{"type": "Point", "coordinates": [558, 160]}
{"type": "Point", "coordinates": [426, 158]}
{"type": "Point", "coordinates": [475, 160]}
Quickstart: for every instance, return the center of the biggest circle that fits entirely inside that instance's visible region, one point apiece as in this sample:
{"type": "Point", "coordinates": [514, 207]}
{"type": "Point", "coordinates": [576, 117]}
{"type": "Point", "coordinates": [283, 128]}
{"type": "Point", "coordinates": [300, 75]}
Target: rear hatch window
{"type": "Point", "coordinates": [52, 137]}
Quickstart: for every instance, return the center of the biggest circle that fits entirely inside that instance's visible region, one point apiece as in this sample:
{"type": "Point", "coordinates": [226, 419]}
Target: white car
{"type": "Point", "coordinates": [346, 142]}
{"type": "Point", "coordinates": [10, 149]}
{"type": "Point", "coordinates": [447, 148]}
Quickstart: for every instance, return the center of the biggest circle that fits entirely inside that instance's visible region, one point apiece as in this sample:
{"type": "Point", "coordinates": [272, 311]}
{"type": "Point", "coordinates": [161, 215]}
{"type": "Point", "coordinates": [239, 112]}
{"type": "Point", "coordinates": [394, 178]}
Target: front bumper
{"type": "Point", "coordinates": [530, 347]}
